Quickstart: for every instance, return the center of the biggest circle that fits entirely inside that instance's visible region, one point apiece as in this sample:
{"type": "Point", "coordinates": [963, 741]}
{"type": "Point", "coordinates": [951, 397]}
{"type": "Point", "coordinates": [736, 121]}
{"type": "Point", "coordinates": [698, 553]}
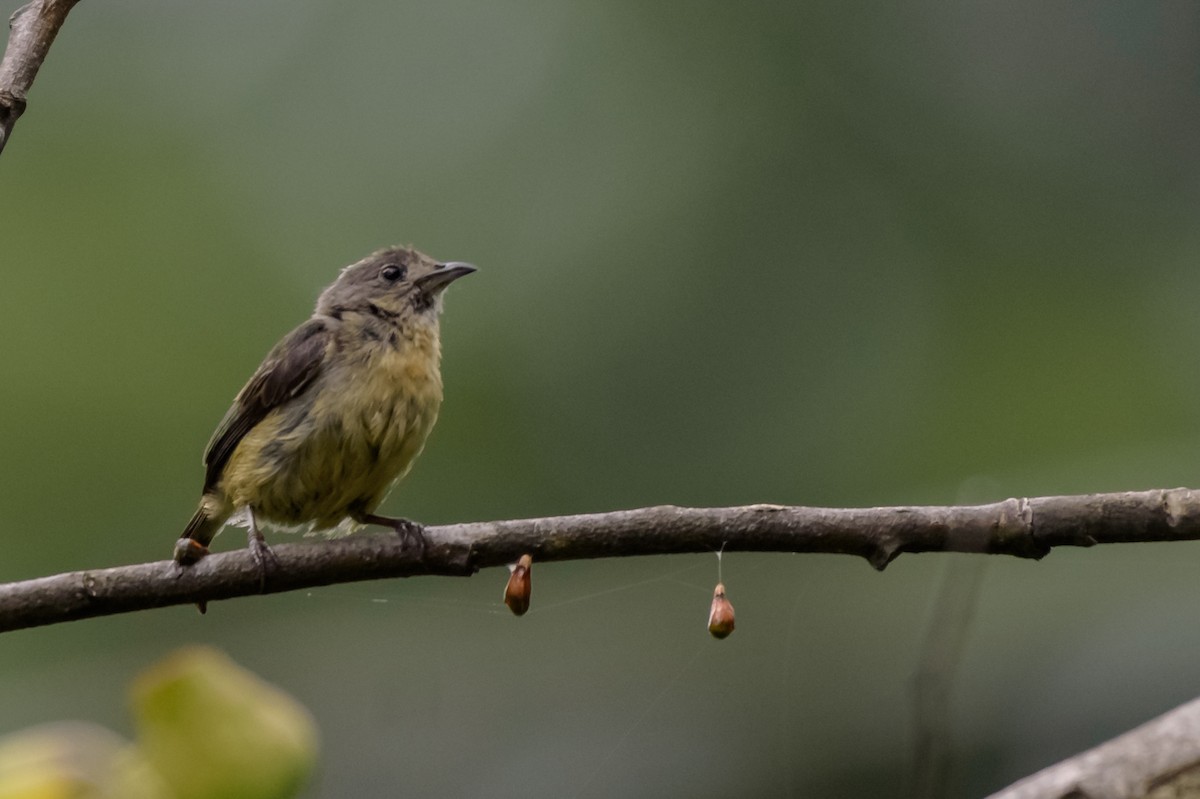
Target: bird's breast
{"type": "Point", "coordinates": [394, 399]}
{"type": "Point", "coordinates": [341, 444]}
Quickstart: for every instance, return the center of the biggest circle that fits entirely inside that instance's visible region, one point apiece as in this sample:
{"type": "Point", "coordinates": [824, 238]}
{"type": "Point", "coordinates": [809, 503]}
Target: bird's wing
{"type": "Point", "coordinates": [290, 367]}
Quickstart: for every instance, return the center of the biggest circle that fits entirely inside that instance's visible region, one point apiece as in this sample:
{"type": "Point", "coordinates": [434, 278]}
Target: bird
{"type": "Point", "coordinates": [336, 413]}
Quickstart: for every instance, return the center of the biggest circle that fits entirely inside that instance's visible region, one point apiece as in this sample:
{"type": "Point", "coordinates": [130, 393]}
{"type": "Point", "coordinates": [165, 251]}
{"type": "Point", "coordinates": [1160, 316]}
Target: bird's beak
{"type": "Point", "coordinates": [443, 276]}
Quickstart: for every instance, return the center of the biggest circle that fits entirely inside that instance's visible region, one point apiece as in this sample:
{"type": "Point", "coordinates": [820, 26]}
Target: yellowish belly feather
{"type": "Point", "coordinates": [338, 448]}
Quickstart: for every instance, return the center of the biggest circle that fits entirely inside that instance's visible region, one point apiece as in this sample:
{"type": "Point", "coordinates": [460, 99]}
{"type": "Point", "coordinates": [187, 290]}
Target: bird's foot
{"type": "Point", "coordinates": [263, 557]}
{"type": "Point", "coordinates": [412, 534]}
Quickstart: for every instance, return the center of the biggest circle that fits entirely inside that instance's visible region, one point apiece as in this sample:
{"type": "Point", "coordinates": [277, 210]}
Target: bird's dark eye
{"type": "Point", "coordinates": [392, 273]}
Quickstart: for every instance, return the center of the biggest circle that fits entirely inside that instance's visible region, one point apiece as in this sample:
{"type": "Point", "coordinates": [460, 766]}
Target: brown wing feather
{"type": "Point", "coordinates": [287, 370]}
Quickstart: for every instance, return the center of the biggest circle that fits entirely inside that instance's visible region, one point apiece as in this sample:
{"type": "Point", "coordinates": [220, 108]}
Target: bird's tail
{"type": "Point", "coordinates": [205, 524]}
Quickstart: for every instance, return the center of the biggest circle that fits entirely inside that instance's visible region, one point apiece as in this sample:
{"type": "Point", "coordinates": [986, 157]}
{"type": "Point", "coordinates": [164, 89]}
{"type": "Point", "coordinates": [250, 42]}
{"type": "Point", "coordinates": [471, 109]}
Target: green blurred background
{"type": "Point", "coordinates": [818, 253]}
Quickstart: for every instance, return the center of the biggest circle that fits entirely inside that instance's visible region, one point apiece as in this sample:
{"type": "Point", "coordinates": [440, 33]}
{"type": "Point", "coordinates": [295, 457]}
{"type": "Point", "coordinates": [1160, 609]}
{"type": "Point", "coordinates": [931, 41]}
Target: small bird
{"type": "Point", "coordinates": [337, 412]}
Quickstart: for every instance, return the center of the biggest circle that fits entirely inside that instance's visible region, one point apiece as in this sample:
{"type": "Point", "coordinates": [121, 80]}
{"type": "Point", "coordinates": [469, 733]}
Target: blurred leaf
{"type": "Point", "coordinates": [213, 729]}
{"type": "Point", "coordinates": [74, 760]}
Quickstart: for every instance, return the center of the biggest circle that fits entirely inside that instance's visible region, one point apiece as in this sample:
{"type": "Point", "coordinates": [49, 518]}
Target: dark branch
{"type": "Point", "coordinates": [1159, 759]}
{"type": "Point", "coordinates": [1026, 528]}
{"type": "Point", "coordinates": [32, 31]}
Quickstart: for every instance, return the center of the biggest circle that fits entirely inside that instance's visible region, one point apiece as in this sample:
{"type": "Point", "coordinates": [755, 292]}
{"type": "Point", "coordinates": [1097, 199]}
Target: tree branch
{"type": "Point", "coordinates": [1157, 760]}
{"type": "Point", "coordinates": [1026, 528]}
{"type": "Point", "coordinates": [32, 31]}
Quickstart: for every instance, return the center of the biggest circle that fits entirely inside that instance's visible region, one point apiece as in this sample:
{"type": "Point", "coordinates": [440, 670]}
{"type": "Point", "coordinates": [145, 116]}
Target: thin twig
{"type": "Point", "coordinates": [32, 31]}
{"type": "Point", "coordinates": [1026, 528]}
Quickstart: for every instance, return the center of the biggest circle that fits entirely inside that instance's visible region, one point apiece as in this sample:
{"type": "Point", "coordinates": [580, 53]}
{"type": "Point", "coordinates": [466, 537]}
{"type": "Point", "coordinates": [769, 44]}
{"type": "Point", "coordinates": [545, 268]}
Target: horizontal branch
{"type": "Point", "coordinates": [32, 31]}
{"type": "Point", "coordinates": [1027, 528]}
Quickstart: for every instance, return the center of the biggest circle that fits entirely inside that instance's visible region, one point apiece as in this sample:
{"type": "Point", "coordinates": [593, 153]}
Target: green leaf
{"type": "Point", "coordinates": [215, 731]}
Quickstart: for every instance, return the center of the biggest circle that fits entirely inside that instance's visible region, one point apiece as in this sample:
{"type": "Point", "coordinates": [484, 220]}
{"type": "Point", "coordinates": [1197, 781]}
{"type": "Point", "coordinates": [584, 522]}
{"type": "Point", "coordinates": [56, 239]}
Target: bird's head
{"type": "Point", "coordinates": [395, 284]}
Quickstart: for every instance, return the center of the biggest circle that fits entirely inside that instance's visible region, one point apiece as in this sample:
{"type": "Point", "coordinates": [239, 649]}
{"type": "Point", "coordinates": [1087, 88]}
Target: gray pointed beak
{"type": "Point", "coordinates": [443, 276]}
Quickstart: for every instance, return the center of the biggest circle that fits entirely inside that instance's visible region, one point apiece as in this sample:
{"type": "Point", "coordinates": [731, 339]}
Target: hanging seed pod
{"type": "Point", "coordinates": [520, 586]}
{"type": "Point", "coordinates": [720, 617]}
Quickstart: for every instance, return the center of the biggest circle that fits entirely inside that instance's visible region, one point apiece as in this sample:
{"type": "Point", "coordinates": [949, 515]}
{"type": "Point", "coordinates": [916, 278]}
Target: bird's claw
{"type": "Point", "coordinates": [264, 558]}
{"type": "Point", "coordinates": [411, 533]}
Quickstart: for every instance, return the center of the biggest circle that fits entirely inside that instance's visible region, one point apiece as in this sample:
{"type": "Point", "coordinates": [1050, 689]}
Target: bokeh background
{"type": "Point", "coordinates": [818, 253]}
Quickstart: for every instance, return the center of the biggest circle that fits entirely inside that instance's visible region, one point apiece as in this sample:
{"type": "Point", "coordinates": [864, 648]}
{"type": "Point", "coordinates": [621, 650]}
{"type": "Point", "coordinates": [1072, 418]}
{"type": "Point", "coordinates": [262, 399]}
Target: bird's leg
{"type": "Point", "coordinates": [408, 530]}
{"type": "Point", "coordinates": [264, 558]}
